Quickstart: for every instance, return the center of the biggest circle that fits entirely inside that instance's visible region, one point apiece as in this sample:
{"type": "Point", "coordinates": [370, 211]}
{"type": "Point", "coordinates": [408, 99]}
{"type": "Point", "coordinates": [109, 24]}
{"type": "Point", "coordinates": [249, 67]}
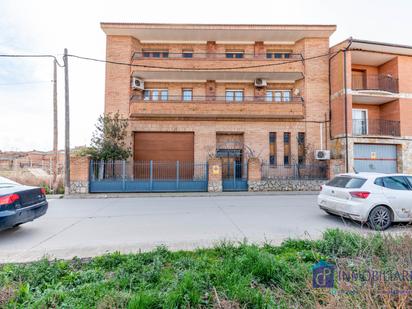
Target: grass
{"type": "Point", "coordinates": [227, 276]}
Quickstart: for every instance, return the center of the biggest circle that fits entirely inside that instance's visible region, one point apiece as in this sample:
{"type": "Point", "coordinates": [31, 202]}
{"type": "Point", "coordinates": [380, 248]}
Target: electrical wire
{"type": "Point", "coordinates": [26, 83]}
{"type": "Point", "coordinates": [201, 69]}
{"type": "Point", "coordinates": [32, 56]}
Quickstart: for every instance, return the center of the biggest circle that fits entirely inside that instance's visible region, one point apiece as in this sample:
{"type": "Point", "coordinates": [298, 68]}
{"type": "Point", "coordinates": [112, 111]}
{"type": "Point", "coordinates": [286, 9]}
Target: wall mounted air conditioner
{"type": "Point", "coordinates": [322, 154]}
{"type": "Point", "coordinates": [137, 83]}
{"type": "Point", "coordinates": [259, 82]}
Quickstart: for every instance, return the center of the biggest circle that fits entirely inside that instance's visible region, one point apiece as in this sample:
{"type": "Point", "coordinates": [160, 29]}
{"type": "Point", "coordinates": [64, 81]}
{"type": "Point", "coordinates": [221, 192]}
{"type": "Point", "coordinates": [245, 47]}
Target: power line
{"type": "Point", "coordinates": [201, 69]}
{"type": "Point", "coordinates": [31, 56]}
{"type": "Point", "coordinates": [26, 83]}
{"type": "Point", "coordinates": [171, 68]}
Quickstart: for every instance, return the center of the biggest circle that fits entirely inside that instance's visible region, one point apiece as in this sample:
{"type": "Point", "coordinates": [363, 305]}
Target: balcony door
{"type": "Point", "coordinates": [358, 79]}
{"type": "Point", "coordinates": [360, 121]}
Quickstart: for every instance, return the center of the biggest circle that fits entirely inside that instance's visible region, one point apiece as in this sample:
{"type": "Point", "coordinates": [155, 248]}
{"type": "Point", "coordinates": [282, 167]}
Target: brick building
{"type": "Point", "coordinates": [231, 91]}
{"type": "Point", "coordinates": [374, 91]}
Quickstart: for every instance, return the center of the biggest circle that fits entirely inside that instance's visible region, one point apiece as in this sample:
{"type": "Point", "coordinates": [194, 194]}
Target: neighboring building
{"type": "Point", "coordinates": [196, 102]}
{"type": "Point", "coordinates": [378, 105]}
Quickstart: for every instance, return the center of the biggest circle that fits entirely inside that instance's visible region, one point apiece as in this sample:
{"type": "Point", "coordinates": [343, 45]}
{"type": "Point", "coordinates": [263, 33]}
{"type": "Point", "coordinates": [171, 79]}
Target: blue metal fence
{"type": "Point", "coordinates": [147, 176]}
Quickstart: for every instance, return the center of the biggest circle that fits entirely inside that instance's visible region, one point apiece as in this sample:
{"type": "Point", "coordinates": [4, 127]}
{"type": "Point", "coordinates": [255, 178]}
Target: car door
{"type": "Point", "coordinates": [398, 191]}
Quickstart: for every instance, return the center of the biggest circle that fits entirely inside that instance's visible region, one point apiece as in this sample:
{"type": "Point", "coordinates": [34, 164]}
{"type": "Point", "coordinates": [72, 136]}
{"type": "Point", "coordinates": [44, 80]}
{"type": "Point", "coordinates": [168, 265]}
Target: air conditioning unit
{"type": "Point", "coordinates": [137, 83]}
{"type": "Point", "coordinates": [259, 82]}
{"type": "Point", "coordinates": [322, 154]}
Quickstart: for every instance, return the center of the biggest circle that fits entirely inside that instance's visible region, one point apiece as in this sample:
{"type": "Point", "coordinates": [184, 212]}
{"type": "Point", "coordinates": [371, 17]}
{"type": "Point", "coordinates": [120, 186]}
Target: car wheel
{"type": "Point", "coordinates": [380, 218]}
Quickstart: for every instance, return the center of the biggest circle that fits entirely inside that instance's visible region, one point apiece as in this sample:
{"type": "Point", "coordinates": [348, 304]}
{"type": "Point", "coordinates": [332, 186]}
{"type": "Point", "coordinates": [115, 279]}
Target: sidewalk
{"type": "Point", "coordinates": [178, 194]}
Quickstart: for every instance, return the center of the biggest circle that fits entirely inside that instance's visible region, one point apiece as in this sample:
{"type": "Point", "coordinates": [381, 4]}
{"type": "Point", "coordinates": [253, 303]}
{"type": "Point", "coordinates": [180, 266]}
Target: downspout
{"type": "Point", "coordinates": [346, 107]}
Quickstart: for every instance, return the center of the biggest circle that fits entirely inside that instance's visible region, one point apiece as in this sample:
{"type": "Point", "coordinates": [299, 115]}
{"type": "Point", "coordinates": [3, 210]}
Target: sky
{"type": "Point", "coordinates": [49, 26]}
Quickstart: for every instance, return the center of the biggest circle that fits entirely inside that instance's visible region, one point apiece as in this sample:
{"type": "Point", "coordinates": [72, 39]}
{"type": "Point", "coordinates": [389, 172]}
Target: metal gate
{"type": "Point", "coordinates": [147, 176]}
{"type": "Point", "coordinates": [378, 158]}
{"type": "Point", "coordinates": [234, 176]}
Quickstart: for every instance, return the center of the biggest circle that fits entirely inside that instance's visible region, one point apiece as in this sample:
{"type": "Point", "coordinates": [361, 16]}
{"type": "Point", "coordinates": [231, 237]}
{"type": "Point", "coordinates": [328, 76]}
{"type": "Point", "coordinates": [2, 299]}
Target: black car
{"type": "Point", "coordinates": [20, 204]}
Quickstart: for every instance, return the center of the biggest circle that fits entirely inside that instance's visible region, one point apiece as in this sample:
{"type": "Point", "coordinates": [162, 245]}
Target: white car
{"type": "Point", "coordinates": [378, 199]}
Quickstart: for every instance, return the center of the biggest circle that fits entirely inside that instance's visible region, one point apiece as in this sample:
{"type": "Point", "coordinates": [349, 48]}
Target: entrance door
{"type": "Point", "coordinates": [234, 172]}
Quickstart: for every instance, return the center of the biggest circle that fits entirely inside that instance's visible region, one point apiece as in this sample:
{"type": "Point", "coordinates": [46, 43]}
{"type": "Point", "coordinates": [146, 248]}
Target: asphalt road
{"type": "Point", "coordinates": [89, 227]}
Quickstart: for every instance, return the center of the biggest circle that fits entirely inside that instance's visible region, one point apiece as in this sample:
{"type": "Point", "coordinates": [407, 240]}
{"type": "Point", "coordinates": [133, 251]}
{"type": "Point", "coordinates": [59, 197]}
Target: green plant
{"type": "Point", "coordinates": [108, 141]}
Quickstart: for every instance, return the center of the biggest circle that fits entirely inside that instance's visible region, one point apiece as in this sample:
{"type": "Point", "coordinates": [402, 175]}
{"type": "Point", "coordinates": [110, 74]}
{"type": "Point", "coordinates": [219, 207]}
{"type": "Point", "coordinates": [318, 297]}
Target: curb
{"type": "Point", "coordinates": [179, 194]}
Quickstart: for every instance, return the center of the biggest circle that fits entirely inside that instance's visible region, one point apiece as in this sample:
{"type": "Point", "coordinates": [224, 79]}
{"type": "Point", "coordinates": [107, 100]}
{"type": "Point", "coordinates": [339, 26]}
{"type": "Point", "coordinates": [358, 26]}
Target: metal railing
{"type": "Point", "coordinates": [210, 56]}
{"type": "Point", "coordinates": [376, 127]}
{"type": "Point", "coordinates": [314, 171]}
{"type": "Point", "coordinates": [215, 99]}
{"type": "Point", "coordinates": [147, 170]}
{"type": "Point", "coordinates": [375, 82]}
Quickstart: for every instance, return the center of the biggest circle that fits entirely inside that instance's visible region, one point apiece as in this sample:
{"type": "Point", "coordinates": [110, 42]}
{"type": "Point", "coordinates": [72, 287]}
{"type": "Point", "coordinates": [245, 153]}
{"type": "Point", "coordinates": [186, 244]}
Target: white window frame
{"type": "Point", "coordinates": [235, 52]}
{"type": "Point", "coordinates": [282, 96]}
{"type": "Point", "coordinates": [234, 95]}
{"type": "Point", "coordinates": [366, 118]}
{"type": "Point", "coordinates": [159, 94]}
{"type": "Point", "coordinates": [191, 94]}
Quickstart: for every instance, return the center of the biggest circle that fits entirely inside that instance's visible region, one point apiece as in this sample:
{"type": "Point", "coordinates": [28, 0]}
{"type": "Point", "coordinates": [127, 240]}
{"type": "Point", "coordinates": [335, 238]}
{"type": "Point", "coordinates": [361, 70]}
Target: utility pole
{"type": "Point", "coordinates": [55, 129]}
{"type": "Point", "coordinates": [66, 126]}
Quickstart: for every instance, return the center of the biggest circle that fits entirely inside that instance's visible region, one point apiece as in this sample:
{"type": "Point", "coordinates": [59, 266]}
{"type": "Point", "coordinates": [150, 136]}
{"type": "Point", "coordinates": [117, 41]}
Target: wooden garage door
{"type": "Point", "coordinates": [164, 146]}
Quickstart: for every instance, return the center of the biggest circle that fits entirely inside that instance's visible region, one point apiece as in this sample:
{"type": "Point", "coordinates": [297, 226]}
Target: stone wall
{"type": "Point", "coordinates": [285, 185]}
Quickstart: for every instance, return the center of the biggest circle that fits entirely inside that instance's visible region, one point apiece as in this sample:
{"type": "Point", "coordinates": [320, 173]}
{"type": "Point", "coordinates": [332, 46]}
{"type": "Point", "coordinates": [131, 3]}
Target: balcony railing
{"type": "Point", "coordinates": [375, 127]}
{"type": "Point", "coordinates": [216, 108]}
{"type": "Point", "coordinates": [375, 82]}
{"type": "Point", "coordinates": [215, 99]}
{"type": "Point", "coordinates": [212, 56]}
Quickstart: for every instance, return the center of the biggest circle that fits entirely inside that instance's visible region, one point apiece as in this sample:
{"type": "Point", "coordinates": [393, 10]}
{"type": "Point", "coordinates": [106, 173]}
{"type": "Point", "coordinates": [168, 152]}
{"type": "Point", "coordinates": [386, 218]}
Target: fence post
{"type": "Point", "coordinates": [151, 175]}
{"type": "Point", "coordinates": [124, 175]}
{"type": "Point", "coordinates": [234, 174]}
{"type": "Point", "coordinates": [177, 175]}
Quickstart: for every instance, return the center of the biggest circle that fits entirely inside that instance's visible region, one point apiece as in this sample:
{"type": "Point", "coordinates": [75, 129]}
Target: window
{"type": "Point", "coordinates": [155, 94]}
{"type": "Point", "coordinates": [286, 148]}
{"type": "Point", "coordinates": [234, 95]}
{"type": "Point", "coordinates": [277, 55]}
{"type": "Point", "coordinates": [272, 148]}
{"type": "Point", "coordinates": [187, 94]}
{"type": "Point", "coordinates": [346, 182]}
{"type": "Point", "coordinates": [156, 53]}
{"type": "Point", "coordinates": [234, 54]}
{"type": "Point", "coordinates": [360, 121]}
{"type": "Point", "coordinates": [394, 183]}
{"type": "Point", "coordinates": [301, 148]}
{"type": "Point", "coordinates": [278, 95]}
{"type": "Point", "coordinates": [187, 54]}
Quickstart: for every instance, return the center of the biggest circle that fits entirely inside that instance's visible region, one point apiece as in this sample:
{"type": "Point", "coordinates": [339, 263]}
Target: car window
{"type": "Point", "coordinates": [395, 183]}
{"type": "Point", "coordinates": [409, 179]}
{"type": "Point", "coordinates": [346, 182]}
{"type": "Point", "coordinates": [379, 182]}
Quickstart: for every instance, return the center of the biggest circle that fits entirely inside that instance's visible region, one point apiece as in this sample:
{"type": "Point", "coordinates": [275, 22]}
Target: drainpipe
{"type": "Point", "coordinates": [346, 107]}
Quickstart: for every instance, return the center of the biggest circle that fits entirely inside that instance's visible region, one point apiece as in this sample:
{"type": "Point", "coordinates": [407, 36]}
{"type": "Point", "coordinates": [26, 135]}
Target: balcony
{"type": "Point", "coordinates": [377, 127]}
{"type": "Point", "coordinates": [375, 82]}
{"type": "Point", "coordinates": [218, 56]}
{"type": "Point", "coordinates": [212, 65]}
{"type": "Point", "coordinates": [216, 108]}
{"type": "Point", "coordinates": [374, 89]}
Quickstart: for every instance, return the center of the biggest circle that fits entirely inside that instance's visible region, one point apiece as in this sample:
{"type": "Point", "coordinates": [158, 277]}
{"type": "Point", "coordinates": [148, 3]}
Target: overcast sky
{"type": "Point", "coordinates": [48, 26]}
